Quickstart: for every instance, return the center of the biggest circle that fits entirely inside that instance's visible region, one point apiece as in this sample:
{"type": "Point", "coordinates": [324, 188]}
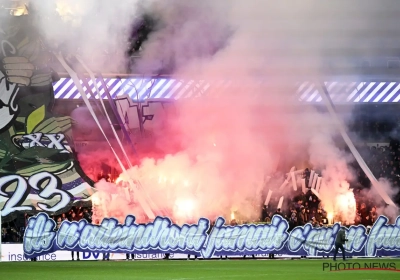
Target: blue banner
{"type": "Point", "coordinates": [162, 236]}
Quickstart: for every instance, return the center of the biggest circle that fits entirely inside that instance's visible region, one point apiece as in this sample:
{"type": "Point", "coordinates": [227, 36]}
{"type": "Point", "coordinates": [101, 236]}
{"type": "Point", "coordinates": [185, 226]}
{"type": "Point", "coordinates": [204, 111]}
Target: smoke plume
{"type": "Point", "coordinates": [218, 149]}
{"type": "Point", "coordinates": [231, 141]}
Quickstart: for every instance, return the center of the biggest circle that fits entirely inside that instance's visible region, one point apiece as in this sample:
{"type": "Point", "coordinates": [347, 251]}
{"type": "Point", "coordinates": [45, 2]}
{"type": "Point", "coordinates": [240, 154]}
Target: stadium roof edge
{"type": "Point", "coordinates": [326, 73]}
{"type": "Point", "coordinates": [163, 88]}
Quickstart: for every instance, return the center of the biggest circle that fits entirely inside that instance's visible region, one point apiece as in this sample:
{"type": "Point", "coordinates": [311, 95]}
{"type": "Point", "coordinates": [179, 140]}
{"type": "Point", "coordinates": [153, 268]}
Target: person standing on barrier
{"type": "Point", "coordinates": [166, 256]}
{"type": "Point", "coordinates": [106, 256]}
{"type": "Point", "coordinates": [77, 255]}
{"type": "Point", "coordinates": [339, 242]}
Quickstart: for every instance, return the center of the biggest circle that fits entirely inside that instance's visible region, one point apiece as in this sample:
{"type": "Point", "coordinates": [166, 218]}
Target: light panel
{"type": "Point", "coordinates": [161, 88]}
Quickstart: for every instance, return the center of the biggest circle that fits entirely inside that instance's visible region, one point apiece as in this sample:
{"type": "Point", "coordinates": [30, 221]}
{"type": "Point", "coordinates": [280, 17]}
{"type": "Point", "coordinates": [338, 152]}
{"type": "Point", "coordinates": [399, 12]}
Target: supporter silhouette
{"type": "Point", "coordinates": [302, 217]}
{"type": "Point", "coordinates": [339, 242]}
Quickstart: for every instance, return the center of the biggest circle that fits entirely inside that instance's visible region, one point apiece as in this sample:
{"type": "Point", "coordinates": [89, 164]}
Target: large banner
{"type": "Point", "coordinates": [38, 171]}
{"type": "Point", "coordinates": [162, 236]}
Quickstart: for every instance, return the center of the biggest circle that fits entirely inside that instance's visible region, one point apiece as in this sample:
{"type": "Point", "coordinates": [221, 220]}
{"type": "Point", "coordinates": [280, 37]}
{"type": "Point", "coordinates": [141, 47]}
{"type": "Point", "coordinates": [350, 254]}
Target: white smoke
{"type": "Point", "coordinates": [97, 30]}
{"type": "Point", "coordinates": [251, 129]}
{"type": "Point", "coordinates": [251, 134]}
{"type": "Point", "coordinates": [372, 195]}
{"type": "Point", "coordinates": [185, 31]}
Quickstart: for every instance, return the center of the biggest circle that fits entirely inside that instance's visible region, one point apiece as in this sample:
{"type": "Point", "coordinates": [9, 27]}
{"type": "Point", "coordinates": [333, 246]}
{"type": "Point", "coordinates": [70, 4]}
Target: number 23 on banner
{"type": "Point", "coordinates": [37, 182]}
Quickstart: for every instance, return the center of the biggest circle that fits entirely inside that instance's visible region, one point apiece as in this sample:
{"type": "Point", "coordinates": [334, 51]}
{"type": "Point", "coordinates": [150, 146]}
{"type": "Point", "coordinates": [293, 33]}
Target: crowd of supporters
{"type": "Point", "coordinates": [10, 233]}
{"type": "Point", "coordinates": [375, 131]}
{"type": "Point", "coordinates": [75, 214]}
{"type": "Point", "coordinates": [303, 208]}
{"type": "Point", "coordinates": [383, 160]}
{"type": "Point", "coordinates": [307, 208]}
{"type": "Point", "coordinates": [374, 124]}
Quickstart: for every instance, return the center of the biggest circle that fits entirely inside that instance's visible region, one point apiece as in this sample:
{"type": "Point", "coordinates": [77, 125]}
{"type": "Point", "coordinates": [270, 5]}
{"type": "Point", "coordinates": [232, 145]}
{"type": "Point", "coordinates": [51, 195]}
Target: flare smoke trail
{"type": "Point", "coordinates": [219, 148]}
{"type": "Point", "coordinates": [96, 29]}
